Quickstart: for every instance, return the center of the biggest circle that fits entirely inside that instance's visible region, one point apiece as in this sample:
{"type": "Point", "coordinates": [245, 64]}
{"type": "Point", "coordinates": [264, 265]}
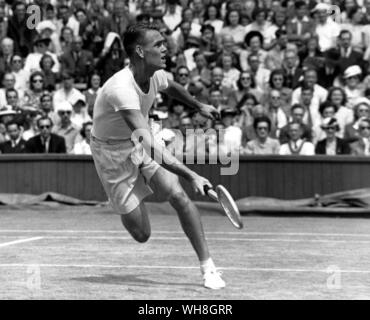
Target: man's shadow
{"type": "Point", "coordinates": [130, 280]}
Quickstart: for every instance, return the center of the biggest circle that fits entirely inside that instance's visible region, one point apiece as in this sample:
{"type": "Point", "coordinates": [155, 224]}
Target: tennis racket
{"type": "Point", "coordinates": [223, 197]}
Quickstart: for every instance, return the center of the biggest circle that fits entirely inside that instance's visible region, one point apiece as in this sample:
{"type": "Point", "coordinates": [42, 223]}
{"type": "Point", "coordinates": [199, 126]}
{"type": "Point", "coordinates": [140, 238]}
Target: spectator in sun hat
{"type": "Point", "coordinates": [41, 45]}
{"type": "Point", "coordinates": [361, 110]}
{"type": "Point", "coordinates": [352, 84]}
{"type": "Point", "coordinates": [362, 146]}
{"type": "Point", "coordinates": [326, 29]}
{"type": "Point", "coordinates": [48, 29]}
{"type": "Point", "coordinates": [332, 144]}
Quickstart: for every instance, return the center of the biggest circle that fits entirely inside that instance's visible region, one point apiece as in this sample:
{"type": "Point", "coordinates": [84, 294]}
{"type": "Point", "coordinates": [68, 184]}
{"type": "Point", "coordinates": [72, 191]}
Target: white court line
{"type": "Point", "coordinates": [138, 267]}
{"type": "Point", "coordinates": [210, 239]}
{"type": "Point", "coordinates": [19, 241]}
{"type": "Point", "coordinates": [181, 232]}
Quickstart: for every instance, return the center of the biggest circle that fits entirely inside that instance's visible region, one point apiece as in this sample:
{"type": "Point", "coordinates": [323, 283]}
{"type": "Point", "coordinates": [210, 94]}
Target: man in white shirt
{"type": "Point", "coordinates": [67, 92]}
{"type": "Point", "coordinates": [126, 154]}
{"type": "Point", "coordinates": [310, 80]}
{"type": "Point", "coordinates": [297, 146]}
{"type": "Point", "coordinates": [327, 30]}
{"type": "Point", "coordinates": [172, 16]}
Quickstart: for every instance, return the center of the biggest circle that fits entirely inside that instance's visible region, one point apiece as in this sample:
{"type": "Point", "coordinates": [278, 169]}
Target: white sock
{"type": "Point", "coordinates": [207, 265]}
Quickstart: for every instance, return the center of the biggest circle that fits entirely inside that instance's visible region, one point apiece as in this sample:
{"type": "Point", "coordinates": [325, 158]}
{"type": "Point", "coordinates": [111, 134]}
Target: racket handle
{"type": "Point", "coordinates": [210, 192]}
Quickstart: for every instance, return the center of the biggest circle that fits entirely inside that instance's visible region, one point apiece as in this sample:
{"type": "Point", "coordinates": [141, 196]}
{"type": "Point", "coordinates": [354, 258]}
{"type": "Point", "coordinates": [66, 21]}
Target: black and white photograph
{"type": "Point", "coordinates": [184, 154]}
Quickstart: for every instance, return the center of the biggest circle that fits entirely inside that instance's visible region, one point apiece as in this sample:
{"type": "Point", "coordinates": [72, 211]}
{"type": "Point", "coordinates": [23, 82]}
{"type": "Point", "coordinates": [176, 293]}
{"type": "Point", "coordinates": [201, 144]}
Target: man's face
{"type": "Point", "coordinates": [46, 103]}
{"type": "Point", "coordinates": [255, 44]}
{"type": "Point", "coordinates": [215, 98]}
{"type": "Point", "coordinates": [64, 14]}
{"type": "Point", "coordinates": [183, 76]}
{"type": "Point", "coordinates": [20, 12]}
{"type": "Point", "coordinates": [197, 5]}
{"type": "Point", "coordinates": [275, 99]}
{"type": "Point", "coordinates": [301, 12]}
{"type": "Point", "coordinates": [12, 98]}
{"type": "Point", "coordinates": [254, 63]}
{"type": "Point", "coordinates": [9, 81]}
{"type": "Point", "coordinates": [217, 76]}
{"type": "Point", "coordinates": [185, 123]}
{"type": "Point", "coordinates": [295, 131]}
{"type": "Point", "coordinates": [328, 112]}
{"type": "Point", "coordinates": [345, 40]}
{"type": "Point", "coordinates": [322, 15]}
{"type": "Point", "coordinates": [7, 47]}
{"type": "Point", "coordinates": [298, 115]}
{"type": "Point", "coordinates": [13, 131]}
{"type": "Point", "coordinates": [154, 50]}
{"type": "Point", "coordinates": [262, 130]}
{"type": "Point", "coordinates": [330, 131]}
{"type": "Point", "coordinates": [77, 44]}
{"type": "Point", "coordinates": [310, 78]}
{"type": "Point", "coordinates": [307, 96]}
{"type": "Point", "coordinates": [185, 28]}
{"type": "Point", "coordinates": [65, 116]}
{"type": "Point", "coordinates": [45, 128]}
{"type": "Point", "coordinates": [68, 82]}
{"type": "Point", "coordinates": [290, 59]}
{"type": "Point", "coordinates": [364, 128]}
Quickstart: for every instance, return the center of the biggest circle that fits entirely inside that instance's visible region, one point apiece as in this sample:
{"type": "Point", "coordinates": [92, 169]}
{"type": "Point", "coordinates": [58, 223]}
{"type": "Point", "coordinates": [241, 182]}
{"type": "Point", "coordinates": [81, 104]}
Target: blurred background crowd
{"type": "Point", "coordinates": [288, 77]}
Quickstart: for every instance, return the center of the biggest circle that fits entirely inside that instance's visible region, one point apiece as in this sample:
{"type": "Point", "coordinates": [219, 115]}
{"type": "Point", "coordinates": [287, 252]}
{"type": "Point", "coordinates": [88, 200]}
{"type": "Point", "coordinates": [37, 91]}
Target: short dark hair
{"type": "Point", "coordinates": [327, 104]}
{"type": "Point", "coordinates": [134, 34]}
{"type": "Point", "coordinates": [12, 122]}
{"type": "Point", "coordinates": [44, 118]}
{"type": "Point", "coordinates": [344, 31]}
{"type": "Point", "coordinates": [296, 106]}
{"type": "Point", "coordinates": [262, 119]}
{"type": "Point", "coordinates": [11, 90]}
{"type": "Point", "coordinates": [276, 72]}
{"type": "Point", "coordinates": [300, 4]}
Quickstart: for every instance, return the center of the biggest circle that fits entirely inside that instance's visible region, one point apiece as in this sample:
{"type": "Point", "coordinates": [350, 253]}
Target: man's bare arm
{"type": "Point", "coordinates": [141, 130]}
{"type": "Point", "coordinates": [178, 92]}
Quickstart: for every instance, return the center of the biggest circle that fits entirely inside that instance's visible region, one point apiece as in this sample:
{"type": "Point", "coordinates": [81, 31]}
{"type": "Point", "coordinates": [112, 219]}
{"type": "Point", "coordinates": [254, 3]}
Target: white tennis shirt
{"type": "Point", "coordinates": [121, 92]}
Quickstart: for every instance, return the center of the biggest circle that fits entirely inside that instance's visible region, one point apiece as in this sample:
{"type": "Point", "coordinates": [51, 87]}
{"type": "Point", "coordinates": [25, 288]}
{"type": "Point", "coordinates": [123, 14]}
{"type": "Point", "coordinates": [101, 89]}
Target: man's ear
{"type": "Point", "coordinates": [139, 50]}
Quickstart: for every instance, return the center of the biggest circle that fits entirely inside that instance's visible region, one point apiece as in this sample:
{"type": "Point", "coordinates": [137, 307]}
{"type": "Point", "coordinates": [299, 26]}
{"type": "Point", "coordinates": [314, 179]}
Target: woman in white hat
{"type": "Point", "coordinates": [353, 87]}
{"type": "Point", "coordinates": [361, 111]}
{"type": "Point", "coordinates": [332, 144]}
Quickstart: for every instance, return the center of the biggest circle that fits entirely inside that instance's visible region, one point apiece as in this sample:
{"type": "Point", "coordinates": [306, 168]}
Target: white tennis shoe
{"type": "Point", "coordinates": [212, 280]}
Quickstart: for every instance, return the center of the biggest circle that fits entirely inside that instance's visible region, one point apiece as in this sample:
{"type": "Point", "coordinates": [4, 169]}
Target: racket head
{"type": "Point", "coordinates": [229, 206]}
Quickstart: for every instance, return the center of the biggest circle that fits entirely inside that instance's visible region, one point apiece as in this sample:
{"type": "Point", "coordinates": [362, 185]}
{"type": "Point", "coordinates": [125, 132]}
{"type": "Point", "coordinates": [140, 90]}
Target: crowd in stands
{"type": "Point", "coordinates": [288, 77]}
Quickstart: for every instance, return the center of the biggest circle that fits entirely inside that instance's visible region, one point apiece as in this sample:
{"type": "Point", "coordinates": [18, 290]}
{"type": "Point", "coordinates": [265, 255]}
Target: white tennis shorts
{"type": "Point", "coordinates": [125, 171]}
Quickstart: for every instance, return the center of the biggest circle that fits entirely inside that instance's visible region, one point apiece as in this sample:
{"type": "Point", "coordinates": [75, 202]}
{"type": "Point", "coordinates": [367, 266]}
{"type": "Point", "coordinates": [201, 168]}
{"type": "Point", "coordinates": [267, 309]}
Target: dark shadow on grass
{"type": "Point", "coordinates": [130, 280]}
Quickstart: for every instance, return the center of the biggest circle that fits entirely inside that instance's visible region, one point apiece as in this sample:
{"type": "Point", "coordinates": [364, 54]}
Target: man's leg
{"type": "Point", "coordinates": [167, 183]}
{"type": "Point", "coordinates": [137, 223]}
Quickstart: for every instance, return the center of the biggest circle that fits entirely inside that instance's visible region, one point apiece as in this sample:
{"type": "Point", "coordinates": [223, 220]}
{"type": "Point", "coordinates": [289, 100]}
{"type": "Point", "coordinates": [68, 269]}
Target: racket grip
{"type": "Point", "coordinates": [206, 189]}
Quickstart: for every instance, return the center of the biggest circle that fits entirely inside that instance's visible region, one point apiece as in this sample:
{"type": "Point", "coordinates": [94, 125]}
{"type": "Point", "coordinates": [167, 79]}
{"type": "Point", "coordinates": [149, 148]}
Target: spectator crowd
{"type": "Point", "coordinates": [288, 77]}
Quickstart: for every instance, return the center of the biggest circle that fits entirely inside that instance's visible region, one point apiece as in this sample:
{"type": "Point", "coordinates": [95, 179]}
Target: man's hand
{"type": "Point", "coordinates": [198, 183]}
{"type": "Point", "coordinates": [208, 111]}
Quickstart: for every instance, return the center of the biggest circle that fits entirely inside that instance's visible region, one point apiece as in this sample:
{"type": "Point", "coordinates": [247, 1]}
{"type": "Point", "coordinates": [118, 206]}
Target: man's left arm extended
{"type": "Point", "coordinates": [178, 92]}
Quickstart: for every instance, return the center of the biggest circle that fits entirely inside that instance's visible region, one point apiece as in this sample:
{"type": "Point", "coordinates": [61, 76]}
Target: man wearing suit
{"type": "Point", "coordinates": [362, 146]}
{"type": "Point", "coordinates": [78, 61]}
{"type": "Point", "coordinates": [348, 56]}
{"type": "Point", "coordinates": [46, 142]}
{"type": "Point", "coordinates": [301, 27]}
{"type": "Point", "coordinates": [292, 73]}
{"type": "Point", "coordinates": [332, 145]}
{"type": "Point", "coordinates": [16, 144]}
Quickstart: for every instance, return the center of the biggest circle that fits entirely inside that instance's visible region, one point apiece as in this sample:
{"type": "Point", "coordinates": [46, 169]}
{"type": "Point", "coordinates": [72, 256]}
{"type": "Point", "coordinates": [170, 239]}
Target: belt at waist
{"type": "Point", "coordinates": [111, 141]}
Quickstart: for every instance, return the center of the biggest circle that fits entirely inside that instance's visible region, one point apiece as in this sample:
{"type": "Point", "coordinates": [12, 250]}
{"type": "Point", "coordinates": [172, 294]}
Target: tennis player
{"type": "Point", "coordinates": [128, 170]}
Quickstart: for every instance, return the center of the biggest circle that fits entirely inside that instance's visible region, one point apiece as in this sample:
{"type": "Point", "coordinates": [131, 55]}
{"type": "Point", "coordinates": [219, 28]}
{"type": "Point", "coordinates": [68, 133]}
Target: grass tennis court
{"type": "Point", "coordinates": [65, 252]}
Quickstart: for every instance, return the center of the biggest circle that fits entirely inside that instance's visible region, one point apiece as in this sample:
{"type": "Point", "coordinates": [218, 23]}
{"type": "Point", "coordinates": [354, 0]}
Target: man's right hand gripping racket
{"type": "Point", "coordinates": [223, 197]}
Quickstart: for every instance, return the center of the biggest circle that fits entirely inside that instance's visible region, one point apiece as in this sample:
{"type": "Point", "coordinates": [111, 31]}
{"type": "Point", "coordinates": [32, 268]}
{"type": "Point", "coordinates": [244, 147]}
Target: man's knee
{"type": "Point", "coordinates": [178, 196]}
{"type": "Point", "coordinates": [141, 236]}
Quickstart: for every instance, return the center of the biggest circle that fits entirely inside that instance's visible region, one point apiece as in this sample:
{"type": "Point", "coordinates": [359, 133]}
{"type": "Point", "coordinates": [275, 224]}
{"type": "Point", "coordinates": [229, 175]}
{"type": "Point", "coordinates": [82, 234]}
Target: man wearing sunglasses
{"type": "Point", "coordinates": [362, 146]}
{"type": "Point", "coordinates": [64, 127]}
{"type": "Point", "coordinates": [45, 141]}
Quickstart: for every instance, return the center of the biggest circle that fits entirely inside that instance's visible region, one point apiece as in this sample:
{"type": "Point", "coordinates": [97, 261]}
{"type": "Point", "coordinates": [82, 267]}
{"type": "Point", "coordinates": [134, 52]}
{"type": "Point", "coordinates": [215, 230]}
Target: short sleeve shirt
{"type": "Point", "coordinates": [121, 92]}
